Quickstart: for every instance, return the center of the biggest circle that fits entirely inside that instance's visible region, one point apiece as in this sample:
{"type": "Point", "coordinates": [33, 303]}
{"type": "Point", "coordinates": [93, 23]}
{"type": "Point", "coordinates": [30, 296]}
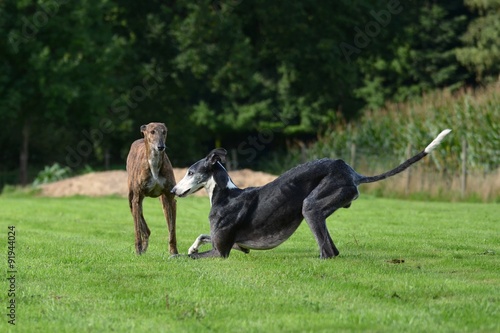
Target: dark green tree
{"type": "Point", "coordinates": [78, 79]}
{"type": "Point", "coordinates": [254, 65]}
{"type": "Point", "coordinates": [418, 54]}
{"type": "Point", "coordinates": [481, 52]}
{"type": "Point", "coordinates": [58, 70]}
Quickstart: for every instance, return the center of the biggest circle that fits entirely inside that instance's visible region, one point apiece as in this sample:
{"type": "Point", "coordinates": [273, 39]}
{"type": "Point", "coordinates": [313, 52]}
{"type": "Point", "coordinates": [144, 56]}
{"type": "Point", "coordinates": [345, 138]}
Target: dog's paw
{"type": "Point", "coordinates": [177, 255]}
{"type": "Point", "coordinates": [192, 250]}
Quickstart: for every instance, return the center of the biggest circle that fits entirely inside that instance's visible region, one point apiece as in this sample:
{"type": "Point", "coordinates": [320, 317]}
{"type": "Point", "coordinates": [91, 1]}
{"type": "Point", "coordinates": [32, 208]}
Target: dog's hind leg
{"type": "Point", "coordinates": [169, 205]}
{"type": "Point", "coordinates": [321, 203]}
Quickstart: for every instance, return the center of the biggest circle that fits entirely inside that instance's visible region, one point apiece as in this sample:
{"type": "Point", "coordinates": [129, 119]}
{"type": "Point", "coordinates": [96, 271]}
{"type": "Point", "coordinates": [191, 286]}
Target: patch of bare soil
{"type": "Point", "coordinates": [115, 183]}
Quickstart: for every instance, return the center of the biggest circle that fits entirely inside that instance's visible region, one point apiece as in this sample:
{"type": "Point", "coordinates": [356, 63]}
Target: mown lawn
{"type": "Point", "coordinates": [404, 266]}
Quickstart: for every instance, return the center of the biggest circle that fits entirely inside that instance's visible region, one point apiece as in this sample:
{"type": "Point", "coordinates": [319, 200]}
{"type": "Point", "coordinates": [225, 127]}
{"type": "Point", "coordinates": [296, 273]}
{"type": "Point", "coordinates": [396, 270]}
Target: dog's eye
{"type": "Point", "coordinates": [153, 132]}
{"type": "Point", "coordinates": [190, 173]}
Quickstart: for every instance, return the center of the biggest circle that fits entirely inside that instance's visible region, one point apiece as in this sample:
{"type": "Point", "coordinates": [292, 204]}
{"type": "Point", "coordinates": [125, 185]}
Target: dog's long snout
{"type": "Point", "coordinates": [175, 191]}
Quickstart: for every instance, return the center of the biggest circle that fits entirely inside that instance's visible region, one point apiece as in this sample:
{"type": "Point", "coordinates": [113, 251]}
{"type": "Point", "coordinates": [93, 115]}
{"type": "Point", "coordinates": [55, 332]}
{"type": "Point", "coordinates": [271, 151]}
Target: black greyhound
{"type": "Point", "coordinates": [262, 218]}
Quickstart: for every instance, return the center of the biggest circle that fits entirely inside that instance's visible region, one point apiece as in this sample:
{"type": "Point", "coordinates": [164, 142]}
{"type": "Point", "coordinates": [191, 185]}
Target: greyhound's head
{"type": "Point", "coordinates": [155, 135]}
{"type": "Point", "coordinates": [200, 174]}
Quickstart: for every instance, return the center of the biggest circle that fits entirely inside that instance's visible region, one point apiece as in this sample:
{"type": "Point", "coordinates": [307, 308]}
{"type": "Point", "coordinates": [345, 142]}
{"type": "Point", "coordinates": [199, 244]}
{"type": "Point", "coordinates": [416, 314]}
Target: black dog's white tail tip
{"type": "Point", "coordinates": [436, 141]}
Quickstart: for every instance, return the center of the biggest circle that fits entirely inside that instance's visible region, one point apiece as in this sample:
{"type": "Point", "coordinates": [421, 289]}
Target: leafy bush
{"type": "Point", "coordinates": [51, 174]}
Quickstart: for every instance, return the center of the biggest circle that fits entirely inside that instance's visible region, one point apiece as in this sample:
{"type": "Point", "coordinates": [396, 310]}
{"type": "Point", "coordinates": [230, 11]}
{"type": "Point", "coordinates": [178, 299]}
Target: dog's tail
{"type": "Point", "coordinates": [403, 166]}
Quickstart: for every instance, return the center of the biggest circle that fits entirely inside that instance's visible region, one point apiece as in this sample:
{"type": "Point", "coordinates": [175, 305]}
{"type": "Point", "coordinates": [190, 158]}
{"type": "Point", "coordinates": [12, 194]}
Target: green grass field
{"type": "Point", "coordinates": [77, 271]}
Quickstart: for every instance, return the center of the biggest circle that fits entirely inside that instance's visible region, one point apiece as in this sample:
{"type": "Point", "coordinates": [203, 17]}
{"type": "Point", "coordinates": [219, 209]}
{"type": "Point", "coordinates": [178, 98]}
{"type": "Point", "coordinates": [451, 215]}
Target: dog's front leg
{"type": "Point", "coordinates": [213, 253]}
{"type": "Point", "coordinates": [202, 239]}
{"type": "Point", "coordinates": [169, 205]}
{"type": "Point", "coordinates": [142, 231]}
{"type": "Point", "coordinates": [221, 246]}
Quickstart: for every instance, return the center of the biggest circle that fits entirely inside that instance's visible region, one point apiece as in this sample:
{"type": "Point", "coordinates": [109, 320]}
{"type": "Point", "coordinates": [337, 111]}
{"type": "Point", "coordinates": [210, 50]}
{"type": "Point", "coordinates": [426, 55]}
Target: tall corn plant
{"type": "Point", "coordinates": [385, 134]}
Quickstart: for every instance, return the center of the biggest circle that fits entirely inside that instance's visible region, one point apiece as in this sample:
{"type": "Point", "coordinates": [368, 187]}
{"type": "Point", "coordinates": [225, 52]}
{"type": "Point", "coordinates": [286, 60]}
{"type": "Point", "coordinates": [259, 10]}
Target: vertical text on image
{"type": "Point", "coordinates": [11, 275]}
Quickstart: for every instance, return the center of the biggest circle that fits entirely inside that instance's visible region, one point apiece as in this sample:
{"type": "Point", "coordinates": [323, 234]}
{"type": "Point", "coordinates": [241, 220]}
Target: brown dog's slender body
{"type": "Point", "coordinates": [150, 174]}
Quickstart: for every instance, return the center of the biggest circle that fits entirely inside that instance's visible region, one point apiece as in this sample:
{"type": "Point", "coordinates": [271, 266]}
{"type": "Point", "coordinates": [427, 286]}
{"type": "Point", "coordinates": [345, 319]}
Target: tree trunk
{"type": "Point", "coordinates": [24, 154]}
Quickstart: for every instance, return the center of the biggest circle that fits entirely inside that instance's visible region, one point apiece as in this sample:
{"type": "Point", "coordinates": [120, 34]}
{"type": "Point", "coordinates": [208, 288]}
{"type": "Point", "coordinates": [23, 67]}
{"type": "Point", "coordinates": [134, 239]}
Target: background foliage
{"type": "Point", "coordinates": [77, 79]}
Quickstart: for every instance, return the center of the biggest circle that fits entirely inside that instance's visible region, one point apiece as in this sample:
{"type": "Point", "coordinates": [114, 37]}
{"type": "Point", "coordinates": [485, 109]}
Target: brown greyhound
{"type": "Point", "coordinates": [150, 174]}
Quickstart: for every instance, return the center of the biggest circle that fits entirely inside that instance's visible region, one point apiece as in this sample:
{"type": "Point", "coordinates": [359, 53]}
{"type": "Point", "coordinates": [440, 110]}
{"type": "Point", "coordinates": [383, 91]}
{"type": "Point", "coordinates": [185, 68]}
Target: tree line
{"type": "Point", "coordinates": [77, 79]}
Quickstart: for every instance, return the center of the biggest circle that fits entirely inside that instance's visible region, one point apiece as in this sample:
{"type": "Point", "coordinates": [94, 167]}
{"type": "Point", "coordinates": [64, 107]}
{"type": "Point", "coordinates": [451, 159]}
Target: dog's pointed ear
{"type": "Point", "coordinates": [143, 128]}
{"type": "Point", "coordinates": [216, 155]}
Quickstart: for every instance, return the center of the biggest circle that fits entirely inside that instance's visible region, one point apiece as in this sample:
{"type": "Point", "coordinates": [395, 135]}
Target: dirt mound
{"type": "Point", "coordinates": [115, 183]}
